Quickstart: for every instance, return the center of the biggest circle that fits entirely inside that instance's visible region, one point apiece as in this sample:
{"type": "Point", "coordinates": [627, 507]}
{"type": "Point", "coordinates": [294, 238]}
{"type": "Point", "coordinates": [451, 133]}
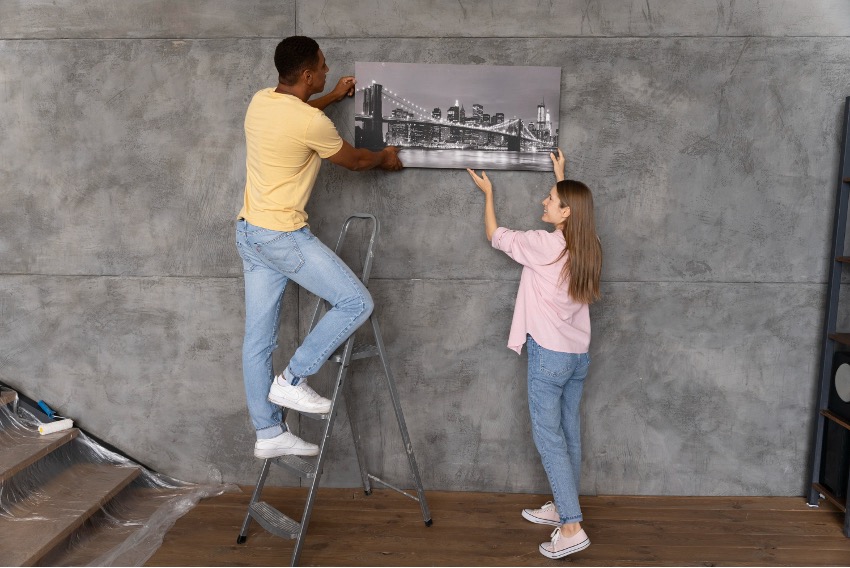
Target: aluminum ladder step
{"type": "Point", "coordinates": [274, 521]}
{"type": "Point", "coordinates": [296, 465]}
{"type": "Point", "coordinates": [314, 416]}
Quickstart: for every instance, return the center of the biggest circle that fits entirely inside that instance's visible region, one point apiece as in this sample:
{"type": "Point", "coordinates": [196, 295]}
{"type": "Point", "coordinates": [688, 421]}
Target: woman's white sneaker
{"type": "Point", "coordinates": [299, 397]}
{"type": "Point", "coordinates": [545, 515]}
{"type": "Point", "coordinates": [286, 444]}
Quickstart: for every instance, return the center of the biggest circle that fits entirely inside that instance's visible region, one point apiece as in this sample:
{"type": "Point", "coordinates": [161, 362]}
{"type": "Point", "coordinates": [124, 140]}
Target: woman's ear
{"type": "Point", "coordinates": [565, 212]}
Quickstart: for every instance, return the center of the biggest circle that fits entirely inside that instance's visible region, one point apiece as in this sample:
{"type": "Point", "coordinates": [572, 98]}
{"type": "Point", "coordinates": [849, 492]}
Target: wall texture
{"type": "Point", "coordinates": [707, 129]}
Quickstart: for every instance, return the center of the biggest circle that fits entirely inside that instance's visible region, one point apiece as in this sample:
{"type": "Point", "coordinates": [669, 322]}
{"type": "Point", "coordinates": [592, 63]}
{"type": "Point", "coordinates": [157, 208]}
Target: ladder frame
{"type": "Point", "coordinates": [830, 338]}
{"type": "Point", "coordinates": [274, 521]}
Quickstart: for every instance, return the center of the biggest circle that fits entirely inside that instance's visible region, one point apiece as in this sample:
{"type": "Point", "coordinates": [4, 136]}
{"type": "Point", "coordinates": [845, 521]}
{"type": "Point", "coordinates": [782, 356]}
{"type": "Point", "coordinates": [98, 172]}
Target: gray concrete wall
{"type": "Point", "coordinates": [708, 131]}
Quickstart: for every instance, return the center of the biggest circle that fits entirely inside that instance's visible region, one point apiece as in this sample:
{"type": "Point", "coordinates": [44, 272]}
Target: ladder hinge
{"type": "Point", "coordinates": [359, 352]}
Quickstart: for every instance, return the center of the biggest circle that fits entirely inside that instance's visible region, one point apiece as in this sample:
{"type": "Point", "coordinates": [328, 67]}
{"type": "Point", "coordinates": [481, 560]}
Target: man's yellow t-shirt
{"type": "Point", "coordinates": [286, 140]}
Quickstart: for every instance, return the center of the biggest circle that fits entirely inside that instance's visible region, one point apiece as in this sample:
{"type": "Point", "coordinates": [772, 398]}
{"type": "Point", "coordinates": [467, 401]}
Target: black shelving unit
{"type": "Point", "coordinates": [831, 454]}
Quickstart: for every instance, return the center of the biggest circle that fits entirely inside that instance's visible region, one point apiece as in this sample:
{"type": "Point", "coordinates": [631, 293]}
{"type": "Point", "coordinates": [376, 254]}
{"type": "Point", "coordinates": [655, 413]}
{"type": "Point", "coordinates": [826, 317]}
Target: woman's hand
{"type": "Point", "coordinates": [558, 164]}
{"type": "Point", "coordinates": [490, 223]}
{"type": "Point", "coordinates": [482, 182]}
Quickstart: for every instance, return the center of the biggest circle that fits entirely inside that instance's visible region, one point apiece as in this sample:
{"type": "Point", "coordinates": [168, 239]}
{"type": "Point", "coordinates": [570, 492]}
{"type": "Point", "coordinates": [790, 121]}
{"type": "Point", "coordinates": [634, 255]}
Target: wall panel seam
{"type": "Point", "coordinates": [524, 38]}
{"type": "Point", "coordinates": [335, 38]}
{"type": "Point", "coordinates": [378, 279]}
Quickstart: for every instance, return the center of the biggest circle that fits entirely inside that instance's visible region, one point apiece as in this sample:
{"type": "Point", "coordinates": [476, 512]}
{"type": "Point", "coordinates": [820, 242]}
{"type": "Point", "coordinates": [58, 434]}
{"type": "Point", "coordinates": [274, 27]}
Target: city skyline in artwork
{"type": "Point", "coordinates": [458, 116]}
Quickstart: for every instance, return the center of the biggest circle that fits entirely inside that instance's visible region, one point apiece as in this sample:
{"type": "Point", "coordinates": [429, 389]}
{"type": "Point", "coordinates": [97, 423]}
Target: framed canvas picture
{"type": "Point", "coordinates": [459, 116]}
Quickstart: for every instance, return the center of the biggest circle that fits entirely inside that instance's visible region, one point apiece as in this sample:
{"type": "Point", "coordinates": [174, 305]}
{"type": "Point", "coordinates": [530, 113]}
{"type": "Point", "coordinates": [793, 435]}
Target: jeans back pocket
{"type": "Point", "coordinates": [557, 365]}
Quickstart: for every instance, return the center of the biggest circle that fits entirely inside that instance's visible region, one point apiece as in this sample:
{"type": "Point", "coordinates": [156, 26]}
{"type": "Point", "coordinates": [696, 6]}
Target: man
{"type": "Point", "coordinates": [287, 136]}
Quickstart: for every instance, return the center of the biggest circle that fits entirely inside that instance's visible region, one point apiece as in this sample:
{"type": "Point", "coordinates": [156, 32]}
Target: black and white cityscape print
{"type": "Point", "coordinates": [459, 116]}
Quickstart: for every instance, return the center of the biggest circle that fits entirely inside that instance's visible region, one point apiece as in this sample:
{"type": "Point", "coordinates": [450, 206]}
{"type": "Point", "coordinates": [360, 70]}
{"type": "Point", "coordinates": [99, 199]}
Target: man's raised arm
{"type": "Point", "coordinates": [359, 159]}
{"type": "Point", "coordinates": [344, 88]}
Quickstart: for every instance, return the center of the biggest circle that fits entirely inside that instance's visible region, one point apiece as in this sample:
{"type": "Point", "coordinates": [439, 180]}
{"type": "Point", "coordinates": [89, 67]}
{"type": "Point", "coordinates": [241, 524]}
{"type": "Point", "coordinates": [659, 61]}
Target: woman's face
{"type": "Point", "coordinates": [552, 210]}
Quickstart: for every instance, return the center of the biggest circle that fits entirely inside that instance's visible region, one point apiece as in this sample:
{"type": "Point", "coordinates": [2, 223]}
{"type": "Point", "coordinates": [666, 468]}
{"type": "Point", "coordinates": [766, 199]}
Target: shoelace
{"type": "Point", "coordinates": [556, 536]}
{"type": "Point", "coordinates": [546, 506]}
{"type": "Point", "coordinates": [311, 394]}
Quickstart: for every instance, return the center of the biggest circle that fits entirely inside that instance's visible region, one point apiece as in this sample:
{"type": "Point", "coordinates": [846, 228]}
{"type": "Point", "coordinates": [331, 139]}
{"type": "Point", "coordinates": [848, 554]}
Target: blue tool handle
{"type": "Point", "coordinates": [47, 410]}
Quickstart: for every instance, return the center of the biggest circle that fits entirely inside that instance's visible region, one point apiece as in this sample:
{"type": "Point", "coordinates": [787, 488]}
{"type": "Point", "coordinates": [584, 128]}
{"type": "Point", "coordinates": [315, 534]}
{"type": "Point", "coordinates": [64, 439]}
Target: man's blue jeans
{"type": "Point", "coordinates": [270, 259]}
{"type": "Point", "coordinates": [555, 383]}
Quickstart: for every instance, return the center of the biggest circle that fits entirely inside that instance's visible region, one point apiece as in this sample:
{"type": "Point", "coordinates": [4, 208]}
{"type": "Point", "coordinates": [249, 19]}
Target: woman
{"type": "Point", "coordinates": [560, 278]}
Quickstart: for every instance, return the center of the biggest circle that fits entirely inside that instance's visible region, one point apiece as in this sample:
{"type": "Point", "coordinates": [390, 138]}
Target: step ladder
{"type": "Point", "coordinates": [273, 520]}
{"type": "Point", "coordinates": [830, 466]}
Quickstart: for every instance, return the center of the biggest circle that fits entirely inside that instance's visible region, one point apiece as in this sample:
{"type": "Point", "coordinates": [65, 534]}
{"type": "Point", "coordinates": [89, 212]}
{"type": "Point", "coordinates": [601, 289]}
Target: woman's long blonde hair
{"type": "Point", "coordinates": [584, 265]}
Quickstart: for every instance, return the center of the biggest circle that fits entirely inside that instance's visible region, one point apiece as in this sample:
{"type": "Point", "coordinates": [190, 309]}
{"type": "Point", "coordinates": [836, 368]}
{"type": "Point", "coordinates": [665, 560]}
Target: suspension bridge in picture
{"type": "Point", "coordinates": [410, 125]}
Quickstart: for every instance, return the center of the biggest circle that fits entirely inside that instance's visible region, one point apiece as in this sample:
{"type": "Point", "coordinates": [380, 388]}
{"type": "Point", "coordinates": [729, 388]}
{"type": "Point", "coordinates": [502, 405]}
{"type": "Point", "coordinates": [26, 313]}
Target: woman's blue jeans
{"type": "Point", "coordinates": [555, 383]}
{"type": "Point", "coordinates": [270, 259]}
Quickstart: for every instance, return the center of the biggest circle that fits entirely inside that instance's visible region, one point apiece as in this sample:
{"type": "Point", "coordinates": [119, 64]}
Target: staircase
{"type": "Point", "coordinates": [52, 489]}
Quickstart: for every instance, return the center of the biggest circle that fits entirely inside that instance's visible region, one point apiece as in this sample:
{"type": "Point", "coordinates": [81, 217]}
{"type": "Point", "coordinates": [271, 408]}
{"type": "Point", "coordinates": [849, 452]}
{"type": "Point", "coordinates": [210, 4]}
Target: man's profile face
{"type": "Point", "coordinates": [319, 74]}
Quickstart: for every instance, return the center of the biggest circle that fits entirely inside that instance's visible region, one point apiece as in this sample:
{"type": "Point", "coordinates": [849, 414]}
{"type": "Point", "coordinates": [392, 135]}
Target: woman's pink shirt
{"type": "Point", "coordinates": [544, 309]}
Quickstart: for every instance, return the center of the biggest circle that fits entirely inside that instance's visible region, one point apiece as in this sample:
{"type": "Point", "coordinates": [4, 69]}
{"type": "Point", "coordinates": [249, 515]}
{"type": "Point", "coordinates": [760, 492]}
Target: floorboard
{"type": "Point", "coordinates": [349, 528]}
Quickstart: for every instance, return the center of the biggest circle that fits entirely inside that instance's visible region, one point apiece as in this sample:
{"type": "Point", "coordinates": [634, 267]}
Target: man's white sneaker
{"type": "Point", "coordinates": [286, 444]}
{"type": "Point", "coordinates": [300, 397]}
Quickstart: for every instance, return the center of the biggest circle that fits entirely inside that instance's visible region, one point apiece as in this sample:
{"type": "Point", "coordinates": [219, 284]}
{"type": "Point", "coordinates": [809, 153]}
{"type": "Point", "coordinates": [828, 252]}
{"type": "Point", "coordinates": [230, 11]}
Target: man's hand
{"type": "Point", "coordinates": [482, 182]}
{"type": "Point", "coordinates": [391, 161]}
{"type": "Point", "coordinates": [558, 164]}
{"type": "Point", "coordinates": [344, 88]}
{"type": "Point", "coordinates": [361, 159]}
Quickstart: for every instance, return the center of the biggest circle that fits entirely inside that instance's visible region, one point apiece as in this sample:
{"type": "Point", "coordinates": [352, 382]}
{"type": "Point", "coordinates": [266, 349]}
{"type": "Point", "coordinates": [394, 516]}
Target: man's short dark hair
{"type": "Point", "coordinates": [293, 55]}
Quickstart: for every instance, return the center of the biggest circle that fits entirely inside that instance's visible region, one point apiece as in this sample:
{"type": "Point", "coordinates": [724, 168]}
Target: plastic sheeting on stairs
{"type": "Point", "coordinates": [65, 500]}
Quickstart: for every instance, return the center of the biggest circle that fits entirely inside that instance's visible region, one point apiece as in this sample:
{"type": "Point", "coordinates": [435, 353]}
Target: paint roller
{"type": "Point", "coordinates": [59, 422]}
{"type": "Point", "coordinates": [57, 426]}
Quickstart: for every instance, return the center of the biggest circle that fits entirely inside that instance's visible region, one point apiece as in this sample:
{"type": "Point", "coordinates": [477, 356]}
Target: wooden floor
{"type": "Point", "coordinates": [486, 529]}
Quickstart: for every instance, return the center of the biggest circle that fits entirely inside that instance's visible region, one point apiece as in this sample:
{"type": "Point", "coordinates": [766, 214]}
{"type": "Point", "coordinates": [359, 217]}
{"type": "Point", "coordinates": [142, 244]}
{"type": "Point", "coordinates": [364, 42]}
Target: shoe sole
{"type": "Point", "coordinates": [537, 520]}
{"type": "Point", "coordinates": [269, 454]}
{"type": "Point", "coordinates": [295, 406]}
{"type": "Point", "coordinates": [566, 551]}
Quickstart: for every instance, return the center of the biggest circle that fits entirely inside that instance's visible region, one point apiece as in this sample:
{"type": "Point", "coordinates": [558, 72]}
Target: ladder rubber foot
{"type": "Point", "coordinates": [241, 539]}
{"type": "Point", "coordinates": [429, 522]}
{"type": "Point", "coordinates": [368, 492]}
